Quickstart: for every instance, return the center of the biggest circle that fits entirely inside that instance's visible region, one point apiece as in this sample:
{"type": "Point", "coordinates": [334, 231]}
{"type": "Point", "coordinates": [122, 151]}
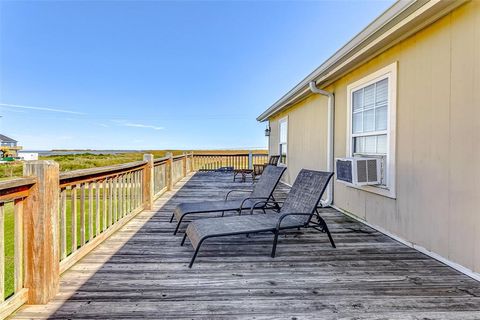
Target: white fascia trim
{"type": "Point", "coordinates": [472, 274]}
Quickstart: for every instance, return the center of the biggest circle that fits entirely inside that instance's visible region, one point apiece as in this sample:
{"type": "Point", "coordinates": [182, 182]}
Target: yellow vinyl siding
{"type": "Point", "coordinates": [307, 135]}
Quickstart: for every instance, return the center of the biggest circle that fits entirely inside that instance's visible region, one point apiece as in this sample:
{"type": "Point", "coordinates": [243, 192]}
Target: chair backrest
{"type": "Point", "coordinates": [268, 181]}
{"type": "Point", "coordinates": [273, 160]}
{"type": "Point", "coordinates": [305, 194]}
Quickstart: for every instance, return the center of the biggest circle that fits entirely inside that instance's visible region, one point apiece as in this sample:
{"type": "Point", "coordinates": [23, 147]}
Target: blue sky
{"type": "Point", "coordinates": [156, 75]}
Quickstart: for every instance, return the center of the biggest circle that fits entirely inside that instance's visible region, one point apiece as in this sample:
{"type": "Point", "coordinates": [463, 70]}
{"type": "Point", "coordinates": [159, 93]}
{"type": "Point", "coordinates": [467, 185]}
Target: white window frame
{"type": "Point", "coordinates": [280, 121]}
{"type": "Point", "coordinates": [389, 72]}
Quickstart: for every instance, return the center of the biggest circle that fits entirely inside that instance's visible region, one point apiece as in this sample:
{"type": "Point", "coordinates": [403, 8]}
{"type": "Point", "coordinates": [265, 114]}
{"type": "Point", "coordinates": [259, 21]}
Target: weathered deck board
{"type": "Point", "coordinates": [141, 272]}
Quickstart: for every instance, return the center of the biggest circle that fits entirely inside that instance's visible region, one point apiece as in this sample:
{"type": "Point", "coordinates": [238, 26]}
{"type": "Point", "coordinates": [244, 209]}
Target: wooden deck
{"type": "Point", "coordinates": [141, 272]}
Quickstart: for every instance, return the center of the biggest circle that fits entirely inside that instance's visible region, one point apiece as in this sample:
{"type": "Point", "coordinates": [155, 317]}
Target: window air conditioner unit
{"type": "Point", "coordinates": [358, 171]}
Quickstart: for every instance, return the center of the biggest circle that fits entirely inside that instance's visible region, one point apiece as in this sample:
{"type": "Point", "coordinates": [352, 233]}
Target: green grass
{"type": "Point", "coordinates": [8, 241]}
{"type": "Point", "coordinates": [82, 161]}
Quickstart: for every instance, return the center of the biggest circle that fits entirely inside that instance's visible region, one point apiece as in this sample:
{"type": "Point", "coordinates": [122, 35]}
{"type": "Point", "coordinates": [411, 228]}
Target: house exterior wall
{"type": "Point", "coordinates": [437, 139]}
{"type": "Point", "coordinates": [28, 156]}
{"type": "Point", "coordinates": [307, 137]}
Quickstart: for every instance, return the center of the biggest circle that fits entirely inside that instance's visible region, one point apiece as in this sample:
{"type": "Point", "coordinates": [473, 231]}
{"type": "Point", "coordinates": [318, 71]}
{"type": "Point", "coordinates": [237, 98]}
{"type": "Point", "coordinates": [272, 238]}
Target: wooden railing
{"type": "Point", "coordinates": [160, 170]}
{"type": "Point", "coordinates": [169, 170]}
{"type": "Point", "coordinates": [13, 195]}
{"type": "Point", "coordinates": [50, 220]}
{"type": "Point", "coordinates": [178, 168]}
{"type": "Point", "coordinates": [208, 162]}
{"type": "Point", "coordinates": [93, 203]}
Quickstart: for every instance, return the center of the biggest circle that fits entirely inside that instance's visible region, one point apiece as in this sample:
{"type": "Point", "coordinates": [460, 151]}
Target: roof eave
{"type": "Point", "coordinates": [347, 57]}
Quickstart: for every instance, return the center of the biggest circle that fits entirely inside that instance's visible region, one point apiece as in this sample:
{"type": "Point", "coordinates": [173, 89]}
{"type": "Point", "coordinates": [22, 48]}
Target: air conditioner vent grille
{"type": "Point", "coordinates": [344, 171]}
{"type": "Point", "coordinates": [372, 170]}
{"type": "Point", "coordinates": [362, 175]}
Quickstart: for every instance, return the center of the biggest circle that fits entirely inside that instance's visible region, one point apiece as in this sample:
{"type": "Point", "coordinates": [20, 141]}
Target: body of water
{"type": "Point", "coordinates": [67, 152]}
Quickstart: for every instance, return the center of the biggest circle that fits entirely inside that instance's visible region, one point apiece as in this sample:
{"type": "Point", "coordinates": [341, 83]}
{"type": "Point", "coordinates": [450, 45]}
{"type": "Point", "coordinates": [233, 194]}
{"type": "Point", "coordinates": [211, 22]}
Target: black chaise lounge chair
{"type": "Point", "coordinates": [262, 190]}
{"type": "Point", "coordinates": [297, 211]}
{"type": "Point", "coordinates": [258, 168]}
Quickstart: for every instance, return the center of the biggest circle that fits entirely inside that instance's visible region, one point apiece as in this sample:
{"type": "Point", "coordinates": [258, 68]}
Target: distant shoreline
{"type": "Point", "coordinates": [83, 151]}
{"type": "Point", "coordinates": [87, 150]}
{"type": "Point", "coordinates": [62, 152]}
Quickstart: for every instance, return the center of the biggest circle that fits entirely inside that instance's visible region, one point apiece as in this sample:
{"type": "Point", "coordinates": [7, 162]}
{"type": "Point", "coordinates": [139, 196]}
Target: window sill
{"type": "Point", "coordinates": [382, 191]}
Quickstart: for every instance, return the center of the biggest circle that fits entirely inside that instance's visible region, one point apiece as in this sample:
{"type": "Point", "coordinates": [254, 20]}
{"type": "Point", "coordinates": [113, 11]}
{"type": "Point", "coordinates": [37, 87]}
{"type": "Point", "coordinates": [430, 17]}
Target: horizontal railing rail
{"type": "Point", "coordinates": [58, 218]}
{"type": "Point", "coordinates": [211, 162]}
{"type": "Point", "coordinates": [160, 160]}
{"type": "Point", "coordinates": [15, 188]}
{"type": "Point", "coordinates": [79, 176]}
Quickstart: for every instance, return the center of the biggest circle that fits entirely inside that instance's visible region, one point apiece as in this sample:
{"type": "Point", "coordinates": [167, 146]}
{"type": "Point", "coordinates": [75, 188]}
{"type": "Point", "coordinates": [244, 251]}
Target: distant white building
{"type": "Point", "coordinates": [28, 156]}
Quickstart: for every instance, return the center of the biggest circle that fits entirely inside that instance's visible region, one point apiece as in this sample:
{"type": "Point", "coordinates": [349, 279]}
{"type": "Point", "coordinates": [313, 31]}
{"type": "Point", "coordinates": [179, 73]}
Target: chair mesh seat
{"type": "Point", "coordinates": [209, 206]}
{"type": "Point", "coordinates": [212, 227]}
{"type": "Point", "coordinates": [263, 189]}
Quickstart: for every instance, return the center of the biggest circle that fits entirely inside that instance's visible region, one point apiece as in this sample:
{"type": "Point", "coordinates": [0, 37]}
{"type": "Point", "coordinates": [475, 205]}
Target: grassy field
{"type": "Point", "coordinates": [89, 160]}
{"type": "Point", "coordinates": [82, 161]}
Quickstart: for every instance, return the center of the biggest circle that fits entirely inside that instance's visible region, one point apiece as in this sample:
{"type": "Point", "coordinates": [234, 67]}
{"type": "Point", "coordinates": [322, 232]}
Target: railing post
{"type": "Point", "coordinates": [184, 165]}
{"type": "Point", "coordinates": [41, 230]}
{"type": "Point", "coordinates": [250, 160]}
{"type": "Point", "coordinates": [191, 162]}
{"type": "Point", "coordinates": [148, 191]}
{"type": "Point", "coordinates": [169, 168]}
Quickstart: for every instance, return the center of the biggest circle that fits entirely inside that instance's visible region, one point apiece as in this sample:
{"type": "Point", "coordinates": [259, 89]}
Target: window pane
{"type": "Point", "coordinates": [283, 153]}
{"type": "Point", "coordinates": [381, 118]}
{"type": "Point", "coordinates": [369, 96]}
{"type": "Point", "coordinates": [357, 123]}
{"type": "Point", "coordinates": [357, 100]}
{"type": "Point", "coordinates": [283, 132]}
{"type": "Point", "coordinates": [359, 145]}
{"type": "Point", "coordinates": [369, 120]}
{"type": "Point", "coordinates": [381, 92]}
{"type": "Point", "coordinates": [370, 144]}
{"type": "Point", "coordinates": [382, 144]}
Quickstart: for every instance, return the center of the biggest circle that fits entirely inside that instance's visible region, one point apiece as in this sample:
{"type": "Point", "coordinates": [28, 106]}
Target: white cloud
{"type": "Point", "coordinates": [48, 109]}
{"type": "Point", "coordinates": [139, 125]}
{"type": "Point", "coordinates": [125, 123]}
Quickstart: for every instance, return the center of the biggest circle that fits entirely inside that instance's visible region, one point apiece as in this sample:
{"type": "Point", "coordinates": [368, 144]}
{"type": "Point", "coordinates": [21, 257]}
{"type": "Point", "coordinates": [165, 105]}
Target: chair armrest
{"type": "Point", "coordinates": [265, 202]}
{"type": "Point", "coordinates": [235, 190]}
{"type": "Point", "coordinates": [251, 198]}
{"type": "Point", "coordinates": [258, 169]}
{"type": "Point", "coordinates": [283, 216]}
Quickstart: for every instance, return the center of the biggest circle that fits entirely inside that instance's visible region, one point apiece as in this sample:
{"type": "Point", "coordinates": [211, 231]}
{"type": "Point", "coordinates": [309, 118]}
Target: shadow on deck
{"type": "Point", "coordinates": [141, 272]}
